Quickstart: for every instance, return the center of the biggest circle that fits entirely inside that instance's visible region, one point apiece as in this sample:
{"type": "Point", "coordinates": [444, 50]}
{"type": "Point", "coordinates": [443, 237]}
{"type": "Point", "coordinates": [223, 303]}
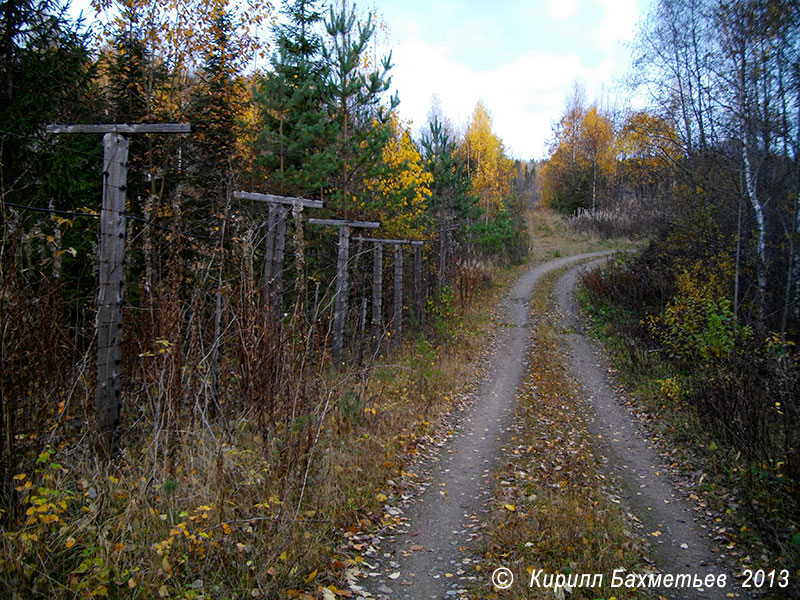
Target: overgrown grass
{"type": "Point", "coordinates": [753, 500]}
{"type": "Point", "coordinates": [552, 236]}
{"type": "Point", "coordinates": [205, 502]}
{"type": "Point", "coordinates": [220, 506]}
{"type": "Point", "coordinates": [553, 509]}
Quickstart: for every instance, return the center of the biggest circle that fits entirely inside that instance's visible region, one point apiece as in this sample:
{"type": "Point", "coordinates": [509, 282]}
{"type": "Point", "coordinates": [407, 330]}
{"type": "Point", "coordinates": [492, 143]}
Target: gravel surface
{"type": "Point", "coordinates": [677, 536]}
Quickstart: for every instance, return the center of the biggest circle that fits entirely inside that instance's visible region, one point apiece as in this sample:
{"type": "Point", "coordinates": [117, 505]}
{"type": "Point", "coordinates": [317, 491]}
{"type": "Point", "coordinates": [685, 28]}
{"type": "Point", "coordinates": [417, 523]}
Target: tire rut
{"type": "Point", "coordinates": [677, 537]}
{"type": "Point", "coordinates": [426, 561]}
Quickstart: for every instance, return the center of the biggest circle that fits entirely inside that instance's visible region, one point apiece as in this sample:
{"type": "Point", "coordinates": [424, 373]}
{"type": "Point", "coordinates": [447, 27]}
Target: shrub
{"type": "Point", "coordinates": [696, 327]}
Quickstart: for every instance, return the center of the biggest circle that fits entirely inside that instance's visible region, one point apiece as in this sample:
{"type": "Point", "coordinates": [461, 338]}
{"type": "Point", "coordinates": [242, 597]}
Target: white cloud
{"type": "Point", "coordinates": [524, 96]}
{"type": "Point", "coordinates": [560, 10]}
{"type": "Point", "coordinates": [618, 23]}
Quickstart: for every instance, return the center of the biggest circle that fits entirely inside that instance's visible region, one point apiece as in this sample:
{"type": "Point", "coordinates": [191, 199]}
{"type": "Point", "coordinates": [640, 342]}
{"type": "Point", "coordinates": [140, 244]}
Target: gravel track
{"type": "Point", "coordinates": [680, 544]}
{"type": "Point", "coordinates": [424, 562]}
{"type": "Point", "coordinates": [429, 556]}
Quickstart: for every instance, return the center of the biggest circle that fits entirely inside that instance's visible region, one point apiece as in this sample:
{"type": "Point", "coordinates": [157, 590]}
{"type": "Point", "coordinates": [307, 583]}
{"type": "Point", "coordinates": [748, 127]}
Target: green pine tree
{"type": "Point", "coordinates": [296, 140]}
{"type": "Point", "coordinates": [452, 201]}
{"type": "Point", "coordinates": [356, 102]}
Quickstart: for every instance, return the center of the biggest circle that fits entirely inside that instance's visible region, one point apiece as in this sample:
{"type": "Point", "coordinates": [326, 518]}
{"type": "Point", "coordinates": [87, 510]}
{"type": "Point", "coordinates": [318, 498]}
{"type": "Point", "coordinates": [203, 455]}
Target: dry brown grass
{"type": "Point", "coordinates": [552, 236]}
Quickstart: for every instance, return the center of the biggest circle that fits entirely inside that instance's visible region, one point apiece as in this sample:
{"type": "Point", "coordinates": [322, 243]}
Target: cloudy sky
{"type": "Point", "coordinates": [519, 57]}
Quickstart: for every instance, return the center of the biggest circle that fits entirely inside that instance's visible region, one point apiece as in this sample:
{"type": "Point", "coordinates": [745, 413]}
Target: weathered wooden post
{"type": "Point", "coordinates": [418, 281]}
{"type": "Point", "coordinates": [340, 295]}
{"type": "Point", "coordinates": [397, 320]}
{"type": "Point", "coordinates": [377, 284]}
{"type": "Point", "coordinates": [111, 282]}
{"type": "Point", "coordinates": [277, 259]}
{"type": "Point", "coordinates": [377, 292]}
{"type": "Point", "coordinates": [276, 239]}
{"type": "Point", "coordinates": [110, 296]}
{"type": "Point", "coordinates": [269, 250]}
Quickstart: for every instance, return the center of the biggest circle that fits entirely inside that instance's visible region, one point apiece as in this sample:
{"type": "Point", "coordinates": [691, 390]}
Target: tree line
{"type": "Point", "coordinates": [715, 151]}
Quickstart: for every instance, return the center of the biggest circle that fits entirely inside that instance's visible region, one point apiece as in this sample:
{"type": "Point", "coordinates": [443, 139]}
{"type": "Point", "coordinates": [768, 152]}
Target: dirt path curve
{"type": "Point", "coordinates": [426, 562]}
{"type": "Point", "coordinates": [682, 546]}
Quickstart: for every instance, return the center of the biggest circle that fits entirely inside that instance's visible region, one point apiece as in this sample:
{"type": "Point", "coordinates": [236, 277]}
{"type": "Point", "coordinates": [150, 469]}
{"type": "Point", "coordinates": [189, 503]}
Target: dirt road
{"type": "Point", "coordinates": [681, 544]}
{"type": "Point", "coordinates": [425, 562]}
{"type": "Point", "coordinates": [431, 558]}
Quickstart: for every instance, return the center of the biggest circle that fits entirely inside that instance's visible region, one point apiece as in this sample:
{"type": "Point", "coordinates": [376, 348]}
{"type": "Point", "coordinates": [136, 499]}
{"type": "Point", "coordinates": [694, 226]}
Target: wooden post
{"type": "Point", "coordinates": [277, 260]}
{"type": "Point", "coordinates": [418, 282]}
{"type": "Point", "coordinates": [377, 283]}
{"type": "Point", "coordinates": [108, 400]}
{"type": "Point", "coordinates": [377, 292]}
{"type": "Point", "coordinates": [269, 250]}
{"type": "Point", "coordinates": [279, 207]}
{"type": "Point", "coordinates": [397, 321]}
{"type": "Point", "coordinates": [340, 299]}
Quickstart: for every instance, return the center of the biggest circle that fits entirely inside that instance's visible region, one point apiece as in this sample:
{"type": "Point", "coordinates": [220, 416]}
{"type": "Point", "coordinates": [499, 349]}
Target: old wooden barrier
{"type": "Point", "coordinates": [276, 239]}
{"type": "Point", "coordinates": [340, 294]}
{"type": "Point", "coordinates": [108, 400]}
{"type": "Point", "coordinates": [377, 284]}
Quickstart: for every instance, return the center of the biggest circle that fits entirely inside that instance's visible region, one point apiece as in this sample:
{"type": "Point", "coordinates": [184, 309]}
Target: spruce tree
{"type": "Point", "coordinates": [296, 140]}
{"type": "Point", "coordinates": [46, 76]}
{"type": "Point", "coordinates": [213, 110]}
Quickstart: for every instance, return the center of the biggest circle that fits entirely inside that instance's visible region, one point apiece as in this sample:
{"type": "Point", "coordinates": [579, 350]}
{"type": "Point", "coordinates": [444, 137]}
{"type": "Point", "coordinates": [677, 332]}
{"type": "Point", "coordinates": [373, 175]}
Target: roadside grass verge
{"type": "Point", "coordinates": [553, 508]}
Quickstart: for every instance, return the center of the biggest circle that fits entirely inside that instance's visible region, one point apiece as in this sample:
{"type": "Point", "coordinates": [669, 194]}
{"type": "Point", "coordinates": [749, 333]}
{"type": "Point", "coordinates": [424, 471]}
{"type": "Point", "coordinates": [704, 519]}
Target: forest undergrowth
{"type": "Point", "coordinates": [720, 400]}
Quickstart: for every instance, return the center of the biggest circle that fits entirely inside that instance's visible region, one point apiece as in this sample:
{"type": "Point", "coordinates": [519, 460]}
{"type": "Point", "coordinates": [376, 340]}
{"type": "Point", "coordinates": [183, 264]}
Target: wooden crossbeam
{"type": "Point", "coordinates": [345, 223]}
{"type": "Point", "coordinates": [271, 198]}
{"type": "Point", "coordinates": [121, 128]}
{"type": "Point", "coordinates": [389, 241]}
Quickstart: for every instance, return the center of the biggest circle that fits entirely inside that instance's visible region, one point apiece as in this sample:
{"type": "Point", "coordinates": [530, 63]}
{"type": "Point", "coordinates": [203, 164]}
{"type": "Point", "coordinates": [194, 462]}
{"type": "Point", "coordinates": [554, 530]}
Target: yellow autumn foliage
{"type": "Point", "coordinates": [489, 168]}
{"type": "Point", "coordinates": [402, 187]}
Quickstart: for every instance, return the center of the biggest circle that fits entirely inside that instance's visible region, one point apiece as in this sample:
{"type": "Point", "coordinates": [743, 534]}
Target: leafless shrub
{"type": "Point", "coordinates": [628, 219]}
